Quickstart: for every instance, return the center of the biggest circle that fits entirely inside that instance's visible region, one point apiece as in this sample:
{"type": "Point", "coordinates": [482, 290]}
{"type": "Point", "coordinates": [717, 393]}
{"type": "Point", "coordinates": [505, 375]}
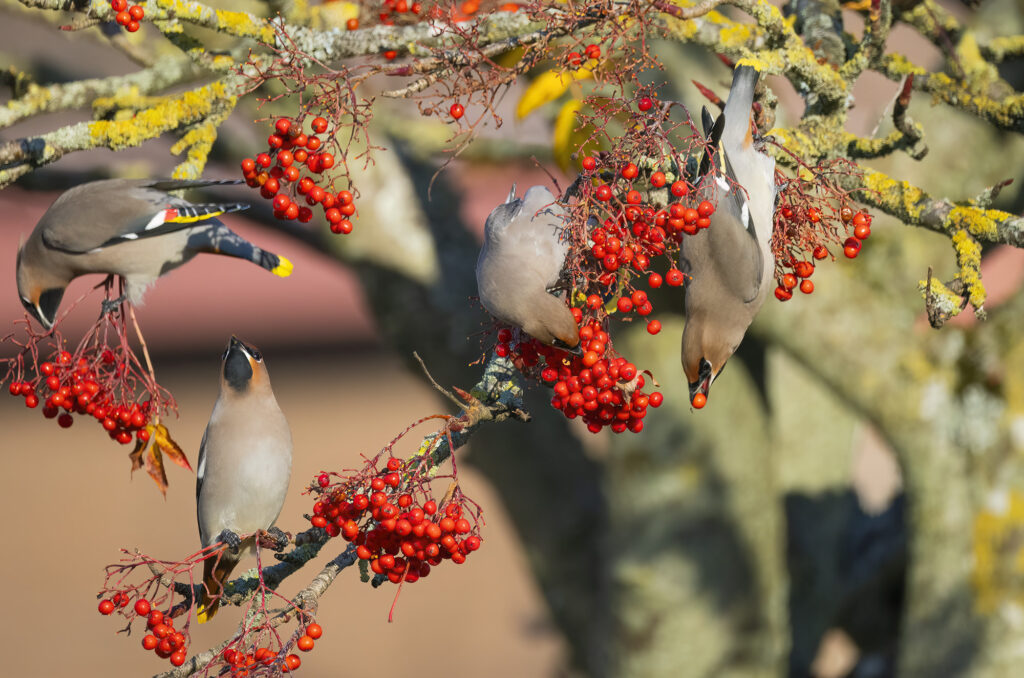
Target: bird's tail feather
{"type": "Point", "coordinates": [737, 107]}
{"type": "Point", "coordinates": [215, 572]}
{"type": "Point", "coordinates": [182, 184]}
{"type": "Point", "coordinates": [222, 240]}
{"type": "Point", "coordinates": [187, 214]}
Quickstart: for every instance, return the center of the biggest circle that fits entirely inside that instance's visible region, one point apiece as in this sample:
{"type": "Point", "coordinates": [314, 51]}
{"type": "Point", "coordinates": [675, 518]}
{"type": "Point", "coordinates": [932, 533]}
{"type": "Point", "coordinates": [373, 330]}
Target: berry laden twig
{"type": "Point", "coordinates": [102, 378]}
{"type": "Point", "coordinates": [627, 214]}
{"type": "Point", "coordinates": [397, 526]}
{"type": "Point", "coordinates": [813, 216]}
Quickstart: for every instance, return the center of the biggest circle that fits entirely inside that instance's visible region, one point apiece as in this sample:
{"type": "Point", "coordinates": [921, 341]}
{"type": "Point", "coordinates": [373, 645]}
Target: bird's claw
{"type": "Point", "coordinates": [111, 305]}
{"type": "Point", "coordinates": [230, 539]}
{"type": "Point", "coordinates": [274, 539]}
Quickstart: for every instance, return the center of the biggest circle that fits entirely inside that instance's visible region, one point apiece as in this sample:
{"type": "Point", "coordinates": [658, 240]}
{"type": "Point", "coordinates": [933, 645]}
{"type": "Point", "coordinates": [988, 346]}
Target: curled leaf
{"type": "Point", "coordinates": [570, 137]}
{"type": "Point", "coordinates": [155, 468]}
{"type": "Point", "coordinates": [162, 439]}
{"type": "Point", "coordinates": [547, 87]}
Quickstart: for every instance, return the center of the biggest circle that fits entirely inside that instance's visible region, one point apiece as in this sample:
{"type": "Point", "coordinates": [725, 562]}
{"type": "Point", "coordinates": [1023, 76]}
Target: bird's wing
{"type": "Point", "coordinates": [105, 213]}
{"type": "Point", "coordinates": [734, 248]}
{"type": "Point", "coordinates": [201, 469]}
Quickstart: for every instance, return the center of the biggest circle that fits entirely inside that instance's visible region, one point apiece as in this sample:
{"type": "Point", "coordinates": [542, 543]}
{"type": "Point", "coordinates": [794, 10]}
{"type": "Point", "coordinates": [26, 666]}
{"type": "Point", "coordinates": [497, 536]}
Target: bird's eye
{"type": "Point", "coordinates": [257, 356]}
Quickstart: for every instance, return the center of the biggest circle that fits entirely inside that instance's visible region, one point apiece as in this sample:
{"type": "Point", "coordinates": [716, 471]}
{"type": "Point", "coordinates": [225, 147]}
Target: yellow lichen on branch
{"type": "Point", "coordinates": [968, 258]}
{"type": "Point", "coordinates": [1005, 113]}
{"type": "Point", "coordinates": [172, 112]}
{"type": "Point", "coordinates": [199, 141]}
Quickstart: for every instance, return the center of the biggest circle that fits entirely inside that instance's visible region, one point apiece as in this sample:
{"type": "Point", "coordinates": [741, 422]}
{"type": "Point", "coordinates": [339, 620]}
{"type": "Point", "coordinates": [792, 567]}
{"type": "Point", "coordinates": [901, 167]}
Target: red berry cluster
{"type": "Point", "coordinates": [129, 17]}
{"type": "Point", "coordinates": [244, 663]}
{"type": "Point", "coordinates": [404, 11]}
{"type": "Point", "coordinates": [799, 270]}
{"type": "Point", "coordinates": [602, 389]}
{"type": "Point", "coordinates": [162, 638]}
{"type": "Point", "coordinates": [575, 59]}
{"type": "Point", "coordinates": [634, 231]}
{"type": "Point", "coordinates": [278, 175]}
{"type": "Point", "coordinates": [607, 263]}
{"type": "Point", "coordinates": [814, 216]}
{"type": "Point", "coordinates": [391, 8]}
{"type": "Point", "coordinates": [77, 387]}
{"type": "Point", "coordinates": [401, 540]}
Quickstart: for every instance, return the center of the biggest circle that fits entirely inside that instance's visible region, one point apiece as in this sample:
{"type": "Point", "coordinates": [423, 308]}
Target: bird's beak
{"type": "Point", "coordinates": [575, 350]}
{"type": "Point", "coordinates": [511, 195]}
{"type": "Point", "coordinates": [704, 378]}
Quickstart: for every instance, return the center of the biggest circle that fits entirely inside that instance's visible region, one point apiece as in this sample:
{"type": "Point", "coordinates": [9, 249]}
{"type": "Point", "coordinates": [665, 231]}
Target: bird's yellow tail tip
{"type": "Point", "coordinates": [205, 613]}
{"type": "Point", "coordinates": [284, 268]}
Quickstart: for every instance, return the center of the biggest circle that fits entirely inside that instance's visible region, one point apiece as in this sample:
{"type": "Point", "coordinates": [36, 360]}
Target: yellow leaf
{"type": "Point", "coordinates": [510, 58]}
{"type": "Point", "coordinates": [565, 127]}
{"type": "Point", "coordinates": [570, 137]}
{"type": "Point", "coordinates": [547, 87]}
{"type": "Point", "coordinates": [163, 441]}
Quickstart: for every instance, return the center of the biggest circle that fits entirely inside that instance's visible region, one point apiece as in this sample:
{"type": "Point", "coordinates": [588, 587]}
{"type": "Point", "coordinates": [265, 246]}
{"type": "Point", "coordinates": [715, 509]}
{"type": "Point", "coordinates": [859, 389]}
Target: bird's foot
{"type": "Point", "coordinates": [111, 305]}
{"type": "Point", "coordinates": [230, 539]}
{"type": "Point", "coordinates": [274, 539]}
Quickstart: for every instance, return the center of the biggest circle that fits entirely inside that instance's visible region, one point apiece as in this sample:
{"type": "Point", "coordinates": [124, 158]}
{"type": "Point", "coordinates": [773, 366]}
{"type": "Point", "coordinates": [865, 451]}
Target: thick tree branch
{"type": "Point", "coordinates": [239, 24]}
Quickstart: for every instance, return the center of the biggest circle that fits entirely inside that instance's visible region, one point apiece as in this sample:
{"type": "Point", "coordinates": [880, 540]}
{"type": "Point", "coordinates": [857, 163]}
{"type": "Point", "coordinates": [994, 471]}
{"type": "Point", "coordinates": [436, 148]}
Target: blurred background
{"type": "Point", "coordinates": [766, 535]}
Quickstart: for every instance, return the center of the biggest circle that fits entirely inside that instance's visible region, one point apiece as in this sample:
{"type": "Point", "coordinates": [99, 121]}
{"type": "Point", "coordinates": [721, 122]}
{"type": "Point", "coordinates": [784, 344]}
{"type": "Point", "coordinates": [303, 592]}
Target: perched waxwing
{"type": "Point", "coordinates": [131, 228]}
{"type": "Point", "coordinates": [728, 265]}
{"type": "Point", "coordinates": [520, 263]}
{"type": "Point", "coordinates": [245, 462]}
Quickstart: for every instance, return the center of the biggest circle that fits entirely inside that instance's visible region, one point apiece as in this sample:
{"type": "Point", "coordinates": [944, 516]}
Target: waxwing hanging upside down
{"type": "Point", "coordinates": [521, 260]}
{"type": "Point", "coordinates": [729, 264]}
{"type": "Point", "coordinates": [131, 228]}
{"type": "Point", "coordinates": [245, 463]}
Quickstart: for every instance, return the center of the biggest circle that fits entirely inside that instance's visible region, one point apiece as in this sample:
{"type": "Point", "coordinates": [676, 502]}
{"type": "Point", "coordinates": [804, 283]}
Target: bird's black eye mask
{"type": "Point", "coordinates": [237, 370]}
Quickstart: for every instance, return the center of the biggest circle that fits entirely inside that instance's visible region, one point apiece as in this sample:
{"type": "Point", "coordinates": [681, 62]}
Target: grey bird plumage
{"type": "Point", "coordinates": [521, 259]}
{"type": "Point", "coordinates": [131, 228]}
{"type": "Point", "coordinates": [729, 264]}
{"type": "Point", "coordinates": [245, 463]}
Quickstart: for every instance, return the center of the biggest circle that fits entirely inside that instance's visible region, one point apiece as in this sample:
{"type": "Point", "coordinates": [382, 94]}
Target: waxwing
{"type": "Point", "coordinates": [131, 228]}
{"type": "Point", "coordinates": [520, 263]}
{"type": "Point", "coordinates": [245, 463]}
{"type": "Point", "coordinates": [728, 265]}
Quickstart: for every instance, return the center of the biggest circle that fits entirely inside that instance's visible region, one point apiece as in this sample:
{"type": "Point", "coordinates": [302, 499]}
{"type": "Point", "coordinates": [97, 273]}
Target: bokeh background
{"type": "Point", "coordinates": [679, 545]}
